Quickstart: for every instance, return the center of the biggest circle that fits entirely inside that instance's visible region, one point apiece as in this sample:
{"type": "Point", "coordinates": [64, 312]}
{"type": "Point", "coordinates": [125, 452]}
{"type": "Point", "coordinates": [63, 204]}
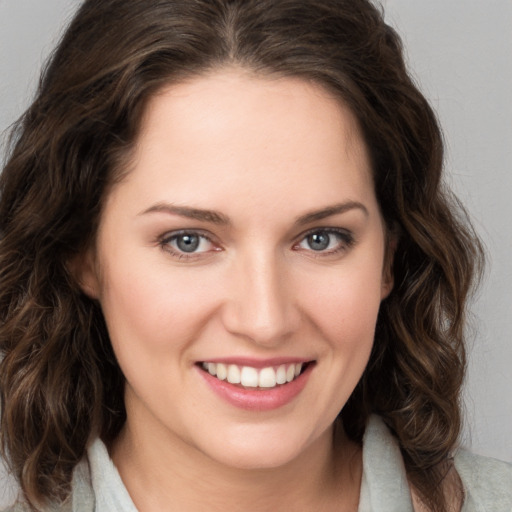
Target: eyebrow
{"type": "Point", "coordinates": [329, 211]}
{"type": "Point", "coordinates": [190, 213]}
{"type": "Point", "coordinates": [218, 218]}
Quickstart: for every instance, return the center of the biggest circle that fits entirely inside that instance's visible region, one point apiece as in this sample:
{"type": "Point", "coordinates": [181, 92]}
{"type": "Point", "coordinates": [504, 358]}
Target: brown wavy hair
{"type": "Point", "coordinates": [60, 383]}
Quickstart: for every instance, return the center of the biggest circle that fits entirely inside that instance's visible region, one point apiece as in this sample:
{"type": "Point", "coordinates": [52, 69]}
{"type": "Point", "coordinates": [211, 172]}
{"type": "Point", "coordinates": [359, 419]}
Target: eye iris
{"type": "Point", "coordinates": [319, 241]}
{"type": "Point", "coordinates": [187, 243]}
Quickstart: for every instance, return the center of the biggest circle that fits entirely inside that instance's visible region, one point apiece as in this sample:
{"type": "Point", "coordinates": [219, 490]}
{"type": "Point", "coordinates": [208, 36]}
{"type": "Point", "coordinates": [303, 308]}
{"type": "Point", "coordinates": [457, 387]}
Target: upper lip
{"type": "Point", "coordinates": [257, 363]}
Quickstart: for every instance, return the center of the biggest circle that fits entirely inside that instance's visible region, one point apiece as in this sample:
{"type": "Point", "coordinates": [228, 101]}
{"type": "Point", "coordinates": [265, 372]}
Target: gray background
{"type": "Point", "coordinates": [460, 52]}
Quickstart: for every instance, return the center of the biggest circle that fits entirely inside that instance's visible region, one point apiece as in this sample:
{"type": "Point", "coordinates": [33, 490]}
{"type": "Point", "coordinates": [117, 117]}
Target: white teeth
{"type": "Point", "coordinates": [222, 371]}
{"type": "Point", "coordinates": [233, 374]}
{"type": "Point", "coordinates": [281, 374]}
{"type": "Point", "coordinates": [267, 378]}
{"type": "Point", "coordinates": [251, 377]}
{"type": "Point", "coordinates": [212, 368]}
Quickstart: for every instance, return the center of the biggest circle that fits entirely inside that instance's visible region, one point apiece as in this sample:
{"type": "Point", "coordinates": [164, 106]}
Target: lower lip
{"type": "Point", "coordinates": [258, 399]}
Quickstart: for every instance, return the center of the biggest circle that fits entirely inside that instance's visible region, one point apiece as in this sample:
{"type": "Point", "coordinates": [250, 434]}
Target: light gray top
{"type": "Point", "coordinates": [97, 486]}
{"type": "Point", "coordinates": [487, 482]}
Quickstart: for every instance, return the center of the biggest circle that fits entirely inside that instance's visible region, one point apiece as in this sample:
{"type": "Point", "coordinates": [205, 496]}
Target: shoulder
{"type": "Point", "coordinates": [487, 482]}
{"type": "Point", "coordinates": [15, 508]}
{"type": "Point", "coordinates": [18, 507]}
{"type": "Point", "coordinates": [81, 498]}
{"type": "Point", "coordinates": [23, 507]}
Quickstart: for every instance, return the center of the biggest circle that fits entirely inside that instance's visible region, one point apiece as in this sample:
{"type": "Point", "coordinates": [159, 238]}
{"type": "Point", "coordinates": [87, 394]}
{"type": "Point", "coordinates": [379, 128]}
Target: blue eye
{"type": "Point", "coordinates": [186, 243]}
{"type": "Point", "coordinates": [326, 240]}
{"type": "Point", "coordinates": [319, 241]}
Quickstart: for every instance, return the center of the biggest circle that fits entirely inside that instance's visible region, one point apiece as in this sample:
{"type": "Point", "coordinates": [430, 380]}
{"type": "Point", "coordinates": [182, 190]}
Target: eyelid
{"type": "Point", "coordinates": [346, 235]}
{"type": "Point", "coordinates": [165, 239]}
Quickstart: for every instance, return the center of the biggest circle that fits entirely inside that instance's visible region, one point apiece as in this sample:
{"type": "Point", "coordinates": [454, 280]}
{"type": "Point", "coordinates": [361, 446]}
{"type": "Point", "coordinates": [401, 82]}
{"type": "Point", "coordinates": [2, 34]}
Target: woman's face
{"type": "Point", "coordinates": [245, 241]}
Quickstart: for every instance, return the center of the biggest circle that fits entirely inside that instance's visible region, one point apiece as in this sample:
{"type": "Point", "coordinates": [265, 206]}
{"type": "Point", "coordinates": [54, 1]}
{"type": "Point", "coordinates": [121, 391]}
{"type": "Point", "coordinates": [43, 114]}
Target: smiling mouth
{"type": "Point", "coordinates": [255, 378]}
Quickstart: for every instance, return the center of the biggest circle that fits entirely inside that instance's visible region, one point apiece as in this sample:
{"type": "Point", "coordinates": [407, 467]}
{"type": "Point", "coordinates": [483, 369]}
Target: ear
{"type": "Point", "coordinates": [84, 270]}
{"type": "Point", "coordinates": [388, 278]}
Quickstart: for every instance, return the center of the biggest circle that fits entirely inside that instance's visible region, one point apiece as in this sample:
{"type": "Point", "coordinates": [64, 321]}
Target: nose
{"type": "Point", "coordinates": [260, 305]}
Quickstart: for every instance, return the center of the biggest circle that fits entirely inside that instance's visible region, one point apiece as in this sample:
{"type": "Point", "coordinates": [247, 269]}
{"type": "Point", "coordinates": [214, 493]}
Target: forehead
{"type": "Point", "coordinates": [229, 132]}
{"type": "Point", "coordinates": [238, 99]}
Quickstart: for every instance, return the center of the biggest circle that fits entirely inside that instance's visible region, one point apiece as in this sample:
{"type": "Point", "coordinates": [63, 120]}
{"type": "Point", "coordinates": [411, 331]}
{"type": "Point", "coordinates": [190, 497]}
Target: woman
{"type": "Point", "coordinates": [230, 274]}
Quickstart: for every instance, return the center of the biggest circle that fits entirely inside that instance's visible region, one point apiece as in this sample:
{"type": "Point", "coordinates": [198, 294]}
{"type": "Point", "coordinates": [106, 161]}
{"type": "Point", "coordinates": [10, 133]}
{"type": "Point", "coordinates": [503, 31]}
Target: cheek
{"type": "Point", "coordinates": [344, 305]}
{"type": "Point", "coordinates": [154, 308]}
{"type": "Point", "coordinates": [342, 311]}
{"type": "Point", "coordinates": [349, 319]}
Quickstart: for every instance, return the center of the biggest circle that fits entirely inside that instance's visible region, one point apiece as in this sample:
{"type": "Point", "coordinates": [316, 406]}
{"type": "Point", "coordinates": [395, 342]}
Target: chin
{"type": "Point", "coordinates": [260, 449]}
{"type": "Point", "coordinates": [257, 458]}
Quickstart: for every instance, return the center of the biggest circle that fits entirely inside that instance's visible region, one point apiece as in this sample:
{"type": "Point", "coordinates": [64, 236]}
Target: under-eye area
{"type": "Point", "coordinates": [251, 377]}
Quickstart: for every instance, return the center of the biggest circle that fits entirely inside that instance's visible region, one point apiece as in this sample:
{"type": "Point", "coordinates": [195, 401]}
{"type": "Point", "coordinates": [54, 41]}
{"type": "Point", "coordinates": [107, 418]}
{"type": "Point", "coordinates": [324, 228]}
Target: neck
{"type": "Point", "coordinates": [176, 476]}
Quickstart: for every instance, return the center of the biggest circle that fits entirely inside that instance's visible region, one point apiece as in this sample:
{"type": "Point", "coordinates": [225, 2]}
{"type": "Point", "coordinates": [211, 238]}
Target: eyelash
{"type": "Point", "coordinates": [346, 241]}
{"type": "Point", "coordinates": [345, 238]}
{"type": "Point", "coordinates": [165, 241]}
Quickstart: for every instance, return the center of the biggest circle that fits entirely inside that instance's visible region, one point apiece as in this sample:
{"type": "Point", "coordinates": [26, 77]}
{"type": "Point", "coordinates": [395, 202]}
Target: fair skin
{"type": "Point", "coordinates": [246, 233]}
